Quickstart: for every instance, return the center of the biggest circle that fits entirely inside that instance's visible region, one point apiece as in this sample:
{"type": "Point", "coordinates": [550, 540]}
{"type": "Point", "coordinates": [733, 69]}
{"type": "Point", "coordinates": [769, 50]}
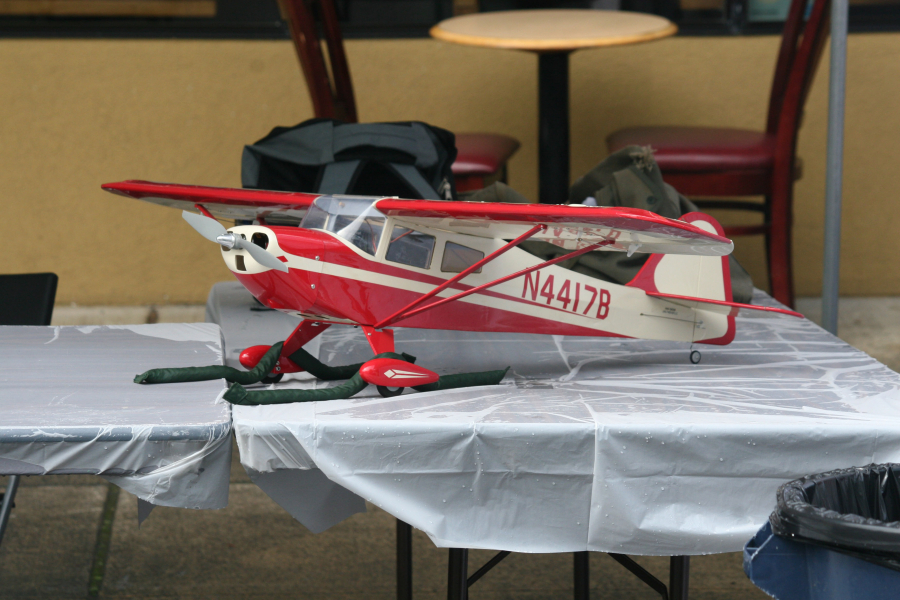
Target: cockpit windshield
{"type": "Point", "coordinates": [351, 217]}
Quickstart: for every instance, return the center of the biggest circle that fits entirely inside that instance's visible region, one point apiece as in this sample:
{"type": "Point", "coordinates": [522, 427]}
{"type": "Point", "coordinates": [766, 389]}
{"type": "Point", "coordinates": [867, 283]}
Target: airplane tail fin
{"type": "Point", "coordinates": [700, 277]}
{"type": "Point", "coordinates": [698, 282]}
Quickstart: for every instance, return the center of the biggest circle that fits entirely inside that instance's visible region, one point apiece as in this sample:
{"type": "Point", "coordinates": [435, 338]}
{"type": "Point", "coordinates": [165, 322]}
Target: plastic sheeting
{"type": "Point", "coordinates": [590, 444]}
{"type": "Point", "coordinates": [68, 405]}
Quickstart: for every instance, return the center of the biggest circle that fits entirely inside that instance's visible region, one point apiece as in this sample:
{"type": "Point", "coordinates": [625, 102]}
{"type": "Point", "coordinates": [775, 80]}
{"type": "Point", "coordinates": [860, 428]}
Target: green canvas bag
{"type": "Point", "coordinates": [628, 178]}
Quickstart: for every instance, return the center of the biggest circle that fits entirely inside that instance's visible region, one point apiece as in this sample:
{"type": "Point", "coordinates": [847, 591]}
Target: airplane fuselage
{"type": "Point", "coordinates": [332, 280]}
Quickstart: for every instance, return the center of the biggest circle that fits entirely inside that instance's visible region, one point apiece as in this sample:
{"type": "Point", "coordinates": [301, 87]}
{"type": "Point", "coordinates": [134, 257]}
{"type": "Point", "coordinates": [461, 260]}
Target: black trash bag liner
{"type": "Point", "coordinates": [855, 511]}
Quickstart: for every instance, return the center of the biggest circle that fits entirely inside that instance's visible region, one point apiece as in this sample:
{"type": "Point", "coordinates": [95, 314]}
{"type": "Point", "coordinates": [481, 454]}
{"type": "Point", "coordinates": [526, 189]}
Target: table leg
{"type": "Point", "coordinates": [553, 142]}
{"type": "Point", "coordinates": [457, 576]}
{"type": "Point", "coordinates": [404, 561]}
{"type": "Point", "coordinates": [679, 570]}
{"type": "Point", "coordinates": [582, 576]}
{"type": "Point", "coordinates": [6, 506]}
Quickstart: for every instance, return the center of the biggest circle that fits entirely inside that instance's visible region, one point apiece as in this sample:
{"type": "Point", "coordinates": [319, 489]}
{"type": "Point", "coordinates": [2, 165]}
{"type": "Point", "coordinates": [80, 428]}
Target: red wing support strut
{"type": "Point", "coordinates": [404, 312]}
{"type": "Point", "coordinates": [203, 211]}
{"type": "Point", "coordinates": [507, 278]}
{"type": "Point", "coordinates": [380, 341]}
{"type": "Point", "coordinates": [303, 333]}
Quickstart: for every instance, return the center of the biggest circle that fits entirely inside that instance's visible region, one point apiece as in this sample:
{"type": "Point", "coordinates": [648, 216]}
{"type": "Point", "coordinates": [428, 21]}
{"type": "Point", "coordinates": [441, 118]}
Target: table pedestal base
{"type": "Point", "coordinates": [553, 142]}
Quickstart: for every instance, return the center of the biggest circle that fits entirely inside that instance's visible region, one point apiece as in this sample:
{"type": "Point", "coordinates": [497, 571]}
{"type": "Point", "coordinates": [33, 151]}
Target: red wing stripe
{"type": "Point", "coordinates": [199, 194]}
{"type": "Point", "coordinates": [783, 311]}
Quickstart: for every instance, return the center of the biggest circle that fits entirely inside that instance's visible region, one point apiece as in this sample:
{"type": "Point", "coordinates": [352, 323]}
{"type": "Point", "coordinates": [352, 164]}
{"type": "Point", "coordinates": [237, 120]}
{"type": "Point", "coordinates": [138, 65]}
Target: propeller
{"type": "Point", "coordinates": [216, 233]}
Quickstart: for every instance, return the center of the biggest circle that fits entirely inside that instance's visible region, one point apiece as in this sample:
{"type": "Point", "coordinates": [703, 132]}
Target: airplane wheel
{"type": "Point", "coordinates": [272, 378]}
{"type": "Point", "coordinates": [695, 357]}
{"type": "Point", "coordinates": [389, 392]}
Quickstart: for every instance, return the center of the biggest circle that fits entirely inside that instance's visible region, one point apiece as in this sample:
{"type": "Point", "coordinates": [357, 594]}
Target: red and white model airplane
{"type": "Point", "coordinates": [381, 263]}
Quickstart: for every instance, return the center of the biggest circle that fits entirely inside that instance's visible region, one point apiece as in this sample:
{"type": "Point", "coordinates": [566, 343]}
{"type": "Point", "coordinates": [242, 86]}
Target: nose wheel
{"type": "Point", "coordinates": [695, 357]}
{"type": "Point", "coordinates": [389, 392]}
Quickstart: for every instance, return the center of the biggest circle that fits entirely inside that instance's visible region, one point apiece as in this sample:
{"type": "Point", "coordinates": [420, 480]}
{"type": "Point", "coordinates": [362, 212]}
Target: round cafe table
{"type": "Point", "coordinates": [553, 34]}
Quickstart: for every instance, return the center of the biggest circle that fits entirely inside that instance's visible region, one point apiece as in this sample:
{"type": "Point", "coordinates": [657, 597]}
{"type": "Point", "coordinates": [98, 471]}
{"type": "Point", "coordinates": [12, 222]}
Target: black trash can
{"type": "Point", "coordinates": [832, 536]}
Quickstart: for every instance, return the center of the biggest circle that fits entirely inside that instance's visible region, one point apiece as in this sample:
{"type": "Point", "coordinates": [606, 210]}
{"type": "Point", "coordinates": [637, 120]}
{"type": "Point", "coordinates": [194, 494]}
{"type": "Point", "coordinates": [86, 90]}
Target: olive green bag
{"type": "Point", "coordinates": [627, 178]}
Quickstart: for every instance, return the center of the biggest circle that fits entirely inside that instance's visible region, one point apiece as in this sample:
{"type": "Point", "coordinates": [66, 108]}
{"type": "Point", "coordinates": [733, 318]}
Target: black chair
{"type": "Point", "coordinates": [24, 300]}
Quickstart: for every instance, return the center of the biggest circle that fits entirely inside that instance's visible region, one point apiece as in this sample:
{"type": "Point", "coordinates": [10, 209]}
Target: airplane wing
{"type": "Point", "coordinates": [568, 226]}
{"type": "Point", "coordinates": [276, 208]}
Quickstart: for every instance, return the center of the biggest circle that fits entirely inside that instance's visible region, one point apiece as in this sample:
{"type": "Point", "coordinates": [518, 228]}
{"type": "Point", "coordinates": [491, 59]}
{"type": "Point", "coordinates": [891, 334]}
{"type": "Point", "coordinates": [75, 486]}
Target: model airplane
{"type": "Point", "coordinates": [382, 263]}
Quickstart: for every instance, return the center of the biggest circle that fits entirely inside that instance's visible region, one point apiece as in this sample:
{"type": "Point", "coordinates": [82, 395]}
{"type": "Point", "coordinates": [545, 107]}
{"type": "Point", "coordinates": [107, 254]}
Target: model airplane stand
{"type": "Point", "coordinates": [390, 372]}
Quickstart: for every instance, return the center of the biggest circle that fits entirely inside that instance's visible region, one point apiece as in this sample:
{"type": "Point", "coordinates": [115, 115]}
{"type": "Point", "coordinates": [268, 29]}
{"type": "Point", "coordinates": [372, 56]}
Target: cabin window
{"type": "Point", "coordinates": [410, 247]}
{"type": "Point", "coordinates": [458, 258]}
{"type": "Point", "coordinates": [363, 231]}
{"type": "Point", "coordinates": [315, 218]}
{"type": "Point", "coordinates": [353, 218]}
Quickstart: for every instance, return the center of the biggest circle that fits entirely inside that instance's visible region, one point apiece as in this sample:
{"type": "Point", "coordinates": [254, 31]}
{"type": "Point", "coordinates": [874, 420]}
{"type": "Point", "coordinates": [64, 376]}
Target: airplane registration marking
{"type": "Point", "coordinates": [547, 291]}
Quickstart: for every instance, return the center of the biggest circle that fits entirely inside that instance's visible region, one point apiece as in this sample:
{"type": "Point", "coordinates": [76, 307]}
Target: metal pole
{"type": "Point", "coordinates": [404, 561]}
{"type": "Point", "coordinates": [582, 575]}
{"type": "Point", "coordinates": [7, 504]}
{"type": "Point", "coordinates": [834, 165]}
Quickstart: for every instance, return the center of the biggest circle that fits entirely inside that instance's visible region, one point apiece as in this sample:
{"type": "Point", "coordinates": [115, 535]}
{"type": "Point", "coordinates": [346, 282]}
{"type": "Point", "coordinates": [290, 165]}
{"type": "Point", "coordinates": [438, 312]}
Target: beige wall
{"type": "Point", "coordinates": [78, 113]}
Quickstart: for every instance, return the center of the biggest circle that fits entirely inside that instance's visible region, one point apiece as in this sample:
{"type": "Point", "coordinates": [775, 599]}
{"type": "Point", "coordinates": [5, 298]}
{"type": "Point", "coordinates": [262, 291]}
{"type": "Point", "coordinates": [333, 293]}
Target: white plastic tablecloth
{"type": "Point", "coordinates": [589, 444]}
{"type": "Point", "coordinates": [68, 404]}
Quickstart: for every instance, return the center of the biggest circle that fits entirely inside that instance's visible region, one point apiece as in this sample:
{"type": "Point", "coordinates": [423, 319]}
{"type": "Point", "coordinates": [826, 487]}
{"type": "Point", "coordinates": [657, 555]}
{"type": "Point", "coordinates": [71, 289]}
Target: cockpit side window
{"type": "Point", "coordinates": [315, 218]}
{"type": "Point", "coordinates": [353, 218]}
{"type": "Point", "coordinates": [363, 231]}
{"type": "Point", "coordinates": [458, 258]}
{"type": "Point", "coordinates": [410, 247]}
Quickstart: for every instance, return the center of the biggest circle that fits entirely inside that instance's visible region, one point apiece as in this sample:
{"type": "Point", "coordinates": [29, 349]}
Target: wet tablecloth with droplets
{"type": "Point", "coordinates": [68, 404]}
{"type": "Point", "coordinates": [589, 444]}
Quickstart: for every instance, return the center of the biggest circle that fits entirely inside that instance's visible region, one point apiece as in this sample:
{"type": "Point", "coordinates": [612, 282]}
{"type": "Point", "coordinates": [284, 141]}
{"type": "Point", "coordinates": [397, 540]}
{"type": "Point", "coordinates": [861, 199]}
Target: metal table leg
{"type": "Point", "coordinates": [553, 135]}
{"type": "Point", "coordinates": [6, 507]}
{"type": "Point", "coordinates": [679, 570]}
{"type": "Point", "coordinates": [582, 575]}
{"type": "Point", "coordinates": [457, 577]}
{"type": "Point", "coordinates": [404, 561]}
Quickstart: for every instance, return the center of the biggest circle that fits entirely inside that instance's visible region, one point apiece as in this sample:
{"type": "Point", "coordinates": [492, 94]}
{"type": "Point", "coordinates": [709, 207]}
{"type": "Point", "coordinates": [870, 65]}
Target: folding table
{"type": "Point", "coordinates": [603, 445]}
{"type": "Point", "coordinates": [68, 404]}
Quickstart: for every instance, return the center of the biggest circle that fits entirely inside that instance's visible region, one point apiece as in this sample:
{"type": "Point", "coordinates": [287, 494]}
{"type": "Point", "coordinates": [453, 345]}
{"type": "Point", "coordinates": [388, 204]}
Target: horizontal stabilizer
{"type": "Point", "coordinates": [724, 307]}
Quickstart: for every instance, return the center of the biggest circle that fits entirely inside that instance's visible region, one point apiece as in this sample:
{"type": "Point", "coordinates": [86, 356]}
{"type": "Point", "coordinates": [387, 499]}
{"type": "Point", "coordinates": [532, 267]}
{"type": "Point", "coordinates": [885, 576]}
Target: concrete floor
{"type": "Point", "coordinates": [253, 549]}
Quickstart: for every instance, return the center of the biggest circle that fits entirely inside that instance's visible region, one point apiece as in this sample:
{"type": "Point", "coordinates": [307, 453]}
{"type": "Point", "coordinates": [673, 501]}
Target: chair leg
{"type": "Point", "coordinates": [781, 280]}
{"type": "Point", "coordinates": [7, 504]}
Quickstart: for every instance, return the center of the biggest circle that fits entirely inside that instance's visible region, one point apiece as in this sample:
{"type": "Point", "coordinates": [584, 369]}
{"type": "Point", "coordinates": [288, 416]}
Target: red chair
{"type": "Point", "coordinates": [481, 157]}
{"type": "Point", "coordinates": [705, 161]}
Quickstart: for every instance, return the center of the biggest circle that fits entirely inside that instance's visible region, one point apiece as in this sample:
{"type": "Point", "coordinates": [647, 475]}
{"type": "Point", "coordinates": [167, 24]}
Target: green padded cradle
{"type": "Point", "coordinates": [237, 394]}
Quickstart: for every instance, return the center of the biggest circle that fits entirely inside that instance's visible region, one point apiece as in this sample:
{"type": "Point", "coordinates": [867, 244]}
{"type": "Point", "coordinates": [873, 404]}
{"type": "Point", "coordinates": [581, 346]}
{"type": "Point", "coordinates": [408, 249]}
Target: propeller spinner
{"type": "Point", "coordinates": [216, 233]}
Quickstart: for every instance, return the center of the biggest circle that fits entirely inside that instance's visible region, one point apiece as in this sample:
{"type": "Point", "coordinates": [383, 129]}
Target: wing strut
{"type": "Point", "coordinates": [203, 211]}
{"type": "Point", "coordinates": [507, 278]}
{"type": "Point", "coordinates": [400, 314]}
